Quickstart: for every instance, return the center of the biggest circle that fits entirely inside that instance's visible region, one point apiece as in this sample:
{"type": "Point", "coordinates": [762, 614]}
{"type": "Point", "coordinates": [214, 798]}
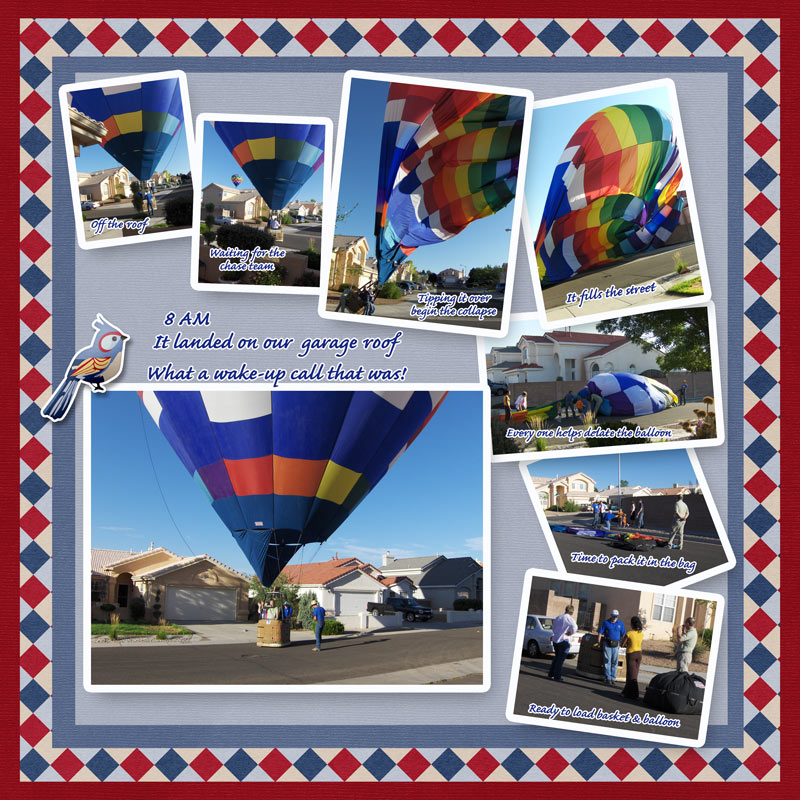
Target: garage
{"type": "Point", "coordinates": [352, 602]}
{"type": "Point", "coordinates": [189, 604]}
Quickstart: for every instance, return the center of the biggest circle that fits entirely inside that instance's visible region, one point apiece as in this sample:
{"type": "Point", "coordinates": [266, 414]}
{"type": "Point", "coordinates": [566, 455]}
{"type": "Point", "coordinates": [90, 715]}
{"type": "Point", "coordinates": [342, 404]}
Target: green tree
{"type": "Point", "coordinates": [682, 337]}
{"type": "Point", "coordinates": [623, 482]}
{"type": "Point", "coordinates": [138, 198]}
{"type": "Point", "coordinates": [343, 213]}
{"type": "Point", "coordinates": [305, 618]}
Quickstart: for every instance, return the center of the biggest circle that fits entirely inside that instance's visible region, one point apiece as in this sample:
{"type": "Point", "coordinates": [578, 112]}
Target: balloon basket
{"type": "Point", "coordinates": [273, 633]}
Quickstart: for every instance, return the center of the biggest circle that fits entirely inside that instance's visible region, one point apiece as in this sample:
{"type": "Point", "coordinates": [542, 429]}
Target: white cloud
{"type": "Point", "coordinates": [113, 528]}
{"type": "Point", "coordinates": [475, 544]}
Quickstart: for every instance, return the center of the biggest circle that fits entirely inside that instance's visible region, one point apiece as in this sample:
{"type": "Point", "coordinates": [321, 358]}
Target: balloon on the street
{"type": "Point", "coordinates": [627, 395]}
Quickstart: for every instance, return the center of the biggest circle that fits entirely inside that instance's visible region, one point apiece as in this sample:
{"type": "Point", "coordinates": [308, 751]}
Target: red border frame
{"type": "Point", "coordinates": [9, 401]}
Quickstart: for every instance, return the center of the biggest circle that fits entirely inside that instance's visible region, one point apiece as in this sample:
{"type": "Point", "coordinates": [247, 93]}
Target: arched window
{"type": "Point", "coordinates": [632, 368]}
{"type": "Point", "coordinates": [579, 486]}
{"type": "Point", "coordinates": [595, 369]}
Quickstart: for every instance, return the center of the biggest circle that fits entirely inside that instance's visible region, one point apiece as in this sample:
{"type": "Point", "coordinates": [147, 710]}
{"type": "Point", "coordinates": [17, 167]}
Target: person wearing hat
{"type": "Point", "coordinates": [610, 634]}
{"type": "Point", "coordinates": [681, 511]}
{"type": "Point", "coordinates": [319, 623]}
{"type": "Point", "coordinates": [686, 641]}
{"type": "Point", "coordinates": [286, 610]}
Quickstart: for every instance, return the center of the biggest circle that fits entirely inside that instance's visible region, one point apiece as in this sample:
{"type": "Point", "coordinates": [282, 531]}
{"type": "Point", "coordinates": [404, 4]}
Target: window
{"type": "Point", "coordinates": [664, 607]}
{"type": "Point", "coordinates": [98, 590]}
{"type": "Point", "coordinates": [632, 368]}
{"type": "Point", "coordinates": [579, 486]}
{"type": "Point", "coordinates": [569, 369]}
{"type": "Point", "coordinates": [595, 369]}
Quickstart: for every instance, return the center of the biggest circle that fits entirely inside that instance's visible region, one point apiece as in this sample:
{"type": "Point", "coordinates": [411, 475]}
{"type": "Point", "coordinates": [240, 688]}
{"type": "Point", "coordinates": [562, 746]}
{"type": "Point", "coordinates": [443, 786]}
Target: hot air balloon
{"type": "Point", "coordinates": [283, 469]}
{"type": "Point", "coordinates": [278, 158]}
{"type": "Point", "coordinates": [627, 395]}
{"type": "Point", "coordinates": [236, 180]}
{"type": "Point", "coordinates": [140, 119]}
{"type": "Point", "coordinates": [614, 192]}
{"type": "Point", "coordinates": [448, 157]}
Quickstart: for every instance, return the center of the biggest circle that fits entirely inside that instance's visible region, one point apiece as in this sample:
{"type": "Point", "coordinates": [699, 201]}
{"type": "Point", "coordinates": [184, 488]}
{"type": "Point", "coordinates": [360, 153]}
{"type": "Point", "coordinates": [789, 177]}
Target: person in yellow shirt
{"type": "Point", "coordinates": [633, 658]}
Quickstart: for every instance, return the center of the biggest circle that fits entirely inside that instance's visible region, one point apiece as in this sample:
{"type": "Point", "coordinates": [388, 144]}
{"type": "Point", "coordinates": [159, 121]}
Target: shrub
{"type": "Point", "coordinates": [178, 212]}
{"type": "Point", "coordinates": [108, 608]}
{"type": "Point", "coordinates": [706, 636]}
{"type": "Point", "coordinates": [286, 219]}
{"type": "Point", "coordinates": [332, 627]}
{"type": "Point", "coordinates": [307, 279]}
{"type": "Point", "coordinates": [465, 604]}
{"type": "Point", "coordinates": [137, 608]}
{"type": "Point", "coordinates": [304, 614]}
{"type": "Point", "coordinates": [114, 633]}
{"type": "Point", "coordinates": [616, 425]}
{"type": "Point", "coordinates": [161, 635]}
{"type": "Point", "coordinates": [390, 291]}
{"type": "Point", "coordinates": [570, 506]}
{"type": "Point", "coordinates": [245, 237]}
{"type": "Point", "coordinates": [273, 278]}
{"type": "Point", "coordinates": [541, 444]}
{"type": "Point", "coordinates": [313, 257]}
{"type": "Point", "coordinates": [501, 445]}
{"type": "Point", "coordinates": [137, 199]}
{"type": "Point", "coordinates": [209, 220]}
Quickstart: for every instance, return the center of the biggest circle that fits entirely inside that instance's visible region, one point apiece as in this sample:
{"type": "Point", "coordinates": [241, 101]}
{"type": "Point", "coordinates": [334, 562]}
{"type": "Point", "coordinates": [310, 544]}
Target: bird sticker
{"type": "Point", "coordinates": [95, 365]}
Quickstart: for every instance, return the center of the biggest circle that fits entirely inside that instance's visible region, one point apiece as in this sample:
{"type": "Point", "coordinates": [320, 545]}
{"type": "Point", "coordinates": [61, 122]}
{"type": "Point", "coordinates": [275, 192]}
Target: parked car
{"type": "Point", "coordinates": [496, 388]}
{"type": "Point", "coordinates": [87, 204]}
{"type": "Point", "coordinates": [408, 607]}
{"type": "Point", "coordinates": [406, 286]}
{"type": "Point", "coordinates": [538, 639]}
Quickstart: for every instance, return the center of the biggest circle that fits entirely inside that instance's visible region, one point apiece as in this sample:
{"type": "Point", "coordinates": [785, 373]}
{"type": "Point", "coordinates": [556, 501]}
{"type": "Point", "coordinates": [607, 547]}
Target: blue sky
{"type": "Point", "coordinates": [483, 242]}
{"type": "Point", "coordinates": [219, 165]}
{"type": "Point", "coordinates": [553, 127]}
{"type": "Point", "coordinates": [175, 158]}
{"type": "Point", "coordinates": [657, 470]}
{"type": "Point", "coordinates": [429, 502]}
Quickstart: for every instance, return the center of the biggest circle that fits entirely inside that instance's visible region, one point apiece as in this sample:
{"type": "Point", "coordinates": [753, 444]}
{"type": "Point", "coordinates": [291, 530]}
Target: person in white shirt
{"type": "Point", "coordinates": [522, 402]}
{"type": "Point", "coordinates": [678, 523]}
{"type": "Point", "coordinates": [563, 627]}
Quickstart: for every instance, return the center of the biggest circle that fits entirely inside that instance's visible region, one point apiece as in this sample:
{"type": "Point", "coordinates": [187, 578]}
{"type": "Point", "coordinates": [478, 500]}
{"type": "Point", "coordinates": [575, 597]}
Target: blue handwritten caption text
{"type": "Point", "coordinates": [634, 560]}
{"type": "Point", "coordinates": [601, 715]}
{"type": "Point", "coordinates": [97, 226]}
{"type": "Point", "coordinates": [572, 433]}
{"type": "Point", "coordinates": [462, 304]}
{"type": "Point", "coordinates": [612, 293]}
{"type": "Point", "coordinates": [309, 348]}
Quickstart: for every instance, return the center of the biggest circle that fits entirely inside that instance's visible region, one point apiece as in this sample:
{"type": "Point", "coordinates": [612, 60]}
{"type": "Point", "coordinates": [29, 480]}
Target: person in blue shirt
{"type": "Point", "coordinates": [607, 517]}
{"type": "Point", "coordinates": [319, 622]}
{"type": "Point", "coordinates": [610, 634]}
{"type": "Point", "coordinates": [286, 610]}
{"type": "Point", "coordinates": [595, 513]}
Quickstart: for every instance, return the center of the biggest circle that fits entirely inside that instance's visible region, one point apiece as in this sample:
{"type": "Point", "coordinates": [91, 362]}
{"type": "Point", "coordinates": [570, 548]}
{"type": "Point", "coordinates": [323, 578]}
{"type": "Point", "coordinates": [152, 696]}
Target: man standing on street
{"type": "Point", "coordinates": [684, 387]}
{"type": "Point", "coordinates": [686, 638]}
{"type": "Point", "coordinates": [569, 405]}
{"type": "Point", "coordinates": [563, 627]}
{"type": "Point", "coordinates": [678, 523]}
{"type": "Point", "coordinates": [319, 623]}
{"type": "Point", "coordinates": [610, 635]}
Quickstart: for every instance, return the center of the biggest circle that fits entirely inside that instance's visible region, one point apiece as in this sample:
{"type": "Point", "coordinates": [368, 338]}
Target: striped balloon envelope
{"type": "Point", "coordinates": [614, 192]}
{"type": "Point", "coordinates": [448, 157]}
{"type": "Point", "coordinates": [284, 469]}
{"type": "Point", "coordinates": [277, 157]}
{"type": "Point", "coordinates": [141, 120]}
{"type": "Point", "coordinates": [627, 395]}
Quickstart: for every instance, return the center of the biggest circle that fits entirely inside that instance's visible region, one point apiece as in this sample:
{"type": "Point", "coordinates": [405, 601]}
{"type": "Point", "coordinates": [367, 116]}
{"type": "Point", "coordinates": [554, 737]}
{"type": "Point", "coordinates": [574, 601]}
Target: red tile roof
{"type": "Point", "coordinates": [542, 339]}
{"type": "Point", "coordinates": [585, 338]}
{"type": "Point", "coordinates": [607, 349]}
{"type": "Point", "coordinates": [323, 572]}
{"type": "Point", "coordinates": [523, 366]}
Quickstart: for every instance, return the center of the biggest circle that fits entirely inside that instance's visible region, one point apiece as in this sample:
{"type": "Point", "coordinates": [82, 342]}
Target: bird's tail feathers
{"type": "Point", "coordinates": [61, 400]}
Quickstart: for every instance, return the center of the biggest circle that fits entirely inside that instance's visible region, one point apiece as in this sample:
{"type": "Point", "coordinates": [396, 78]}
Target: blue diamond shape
{"type": "Point", "coordinates": [207, 37]}
{"type": "Point", "coordinates": [655, 764]}
{"type": "Point", "coordinates": [33, 488]}
{"type": "Point", "coordinates": [761, 36]}
{"type": "Point", "coordinates": [379, 765]}
{"type": "Point", "coordinates": [309, 764]}
{"type": "Point", "coordinates": [691, 36]}
{"type": "Point", "coordinates": [760, 313]}
{"type": "Point", "coordinates": [760, 590]}
{"type": "Point", "coordinates": [33, 141]}
{"type": "Point", "coordinates": [725, 763]}
{"type": "Point", "coordinates": [759, 659]}
{"type": "Point", "coordinates": [68, 37]}
{"type": "Point", "coordinates": [761, 105]}
{"type": "Point", "coordinates": [32, 419]}
{"type": "Point", "coordinates": [760, 382]}
{"type": "Point", "coordinates": [760, 451]}
{"type": "Point", "coordinates": [33, 211]}
{"type": "Point", "coordinates": [761, 174]}
{"type": "Point", "coordinates": [276, 37]}
{"type": "Point", "coordinates": [622, 36]}
{"type": "Point", "coordinates": [240, 764]}
{"type": "Point", "coordinates": [101, 764]}
{"type": "Point", "coordinates": [553, 36]}
{"type": "Point", "coordinates": [760, 520]}
{"type": "Point", "coordinates": [34, 72]}
{"type": "Point", "coordinates": [171, 765]}
{"type": "Point", "coordinates": [760, 728]}
{"type": "Point", "coordinates": [414, 37]}
{"type": "Point", "coordinates": [33, 626]}
{"type": "Point", "coordinates": [33, 280]}
{"type": "Point", "coordinates": [517, 764]}
{"type": "Point", "coordinates": [587, 763]}
{"type": "Point", "coordinates": [448, 764]}
{"type": "Point", "coordinates": [484, 36]}
{"type": "Point", "coordinates": [33, 765]}
{"type": "Point", "coordinates": [137, 37]}
{"type": "Point", "coordinates": [33, 695]}
{"type": "Point", "coordinates": [345, 37]}
{"type": "Point", "coordinates": [33, 349]}
{"type": "Point", "coordinates": [761, 244]}
{"type": "Point", "coordinates": [33, 557]}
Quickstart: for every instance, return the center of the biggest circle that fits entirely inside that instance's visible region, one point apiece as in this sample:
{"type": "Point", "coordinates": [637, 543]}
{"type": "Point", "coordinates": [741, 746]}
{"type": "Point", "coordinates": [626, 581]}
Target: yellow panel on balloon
{"type": "Point", "coordinates": [130, 122]}
{"type": "Point", "coordinates": [263, 148]}
{"type": "Point", "coordinates": [336, 483]}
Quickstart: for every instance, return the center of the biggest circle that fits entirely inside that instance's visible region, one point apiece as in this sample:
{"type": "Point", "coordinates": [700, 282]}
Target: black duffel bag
{"type": "Point", "coordinates": [676, 693]}
{"type": "Point", "coordinates": [635, 544]}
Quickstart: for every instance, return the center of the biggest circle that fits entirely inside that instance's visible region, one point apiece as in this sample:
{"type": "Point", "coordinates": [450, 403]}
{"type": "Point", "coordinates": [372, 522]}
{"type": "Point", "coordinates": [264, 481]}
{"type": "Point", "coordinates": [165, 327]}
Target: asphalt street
{"type": "Point", "coordinates": [125, 209]}
{"type": "Point", "coordinates": [633, 272]}
{"type": "Point", "coordinates": [241, 664]}
{"type": "Point", "coordinates": [298, 237]}
{"type": "Point", "coordinates": [534, 687]}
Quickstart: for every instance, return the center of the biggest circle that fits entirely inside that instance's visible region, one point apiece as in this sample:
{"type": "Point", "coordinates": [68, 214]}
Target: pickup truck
{"type": "Point", "coordinates": [410, 609]}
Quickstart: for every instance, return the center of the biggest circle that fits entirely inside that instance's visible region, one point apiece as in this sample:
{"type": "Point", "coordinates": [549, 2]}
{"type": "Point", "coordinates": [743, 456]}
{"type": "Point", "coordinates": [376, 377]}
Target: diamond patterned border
{"type": "Point", "coordinates": [756, 41]}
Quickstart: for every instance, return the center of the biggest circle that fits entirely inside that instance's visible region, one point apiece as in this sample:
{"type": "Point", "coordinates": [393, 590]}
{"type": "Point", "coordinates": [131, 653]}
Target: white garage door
{"type": "Point", "coordinates": [201, 605]}
{"type": "Point", "coordinates": [353, 602]}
